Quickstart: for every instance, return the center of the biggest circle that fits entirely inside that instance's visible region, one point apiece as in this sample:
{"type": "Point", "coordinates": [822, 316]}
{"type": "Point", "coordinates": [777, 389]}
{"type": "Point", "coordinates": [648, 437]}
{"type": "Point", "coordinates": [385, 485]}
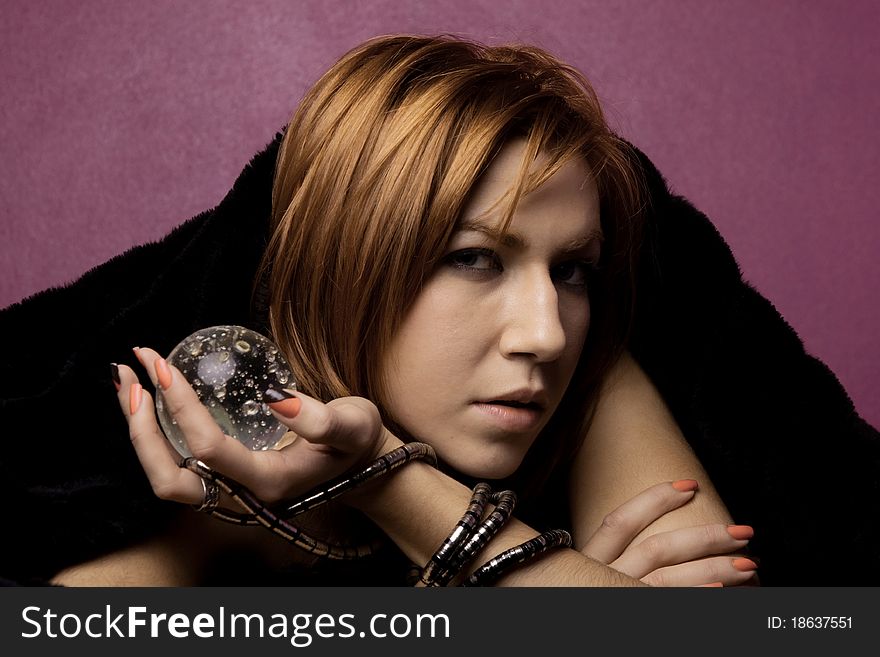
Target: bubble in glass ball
{"type": "Point", "coordinates": [230, 367]}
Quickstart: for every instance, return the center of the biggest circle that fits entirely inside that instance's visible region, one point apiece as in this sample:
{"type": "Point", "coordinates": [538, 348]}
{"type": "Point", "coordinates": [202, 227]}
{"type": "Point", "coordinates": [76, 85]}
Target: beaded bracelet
{"type": "Point", "coordinates": [440, 562]}
{"type": "Point", "coordinates": [259, 513]}
{"type": "Point", "coordinates": [383, 465]}
{"type": "Point", "coordinates": [517, 555]}
{"type": "Point", "coordinates": [467, 538]}
{"type": "Point", "coordinates": [505, 502]}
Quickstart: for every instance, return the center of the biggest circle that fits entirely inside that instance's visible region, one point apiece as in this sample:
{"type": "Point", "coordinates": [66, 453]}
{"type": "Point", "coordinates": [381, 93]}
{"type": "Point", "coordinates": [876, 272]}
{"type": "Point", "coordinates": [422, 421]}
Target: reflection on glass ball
{"type": "Point", "coordinates": [230, 367]}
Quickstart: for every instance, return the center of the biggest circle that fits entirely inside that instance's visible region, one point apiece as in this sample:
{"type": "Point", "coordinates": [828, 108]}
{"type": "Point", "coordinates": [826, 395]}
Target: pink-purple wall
{"type": "Point", "coordinates": [118, 120]}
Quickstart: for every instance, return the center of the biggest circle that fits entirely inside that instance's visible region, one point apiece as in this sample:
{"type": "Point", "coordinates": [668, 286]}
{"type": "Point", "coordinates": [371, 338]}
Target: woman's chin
{"type": "Point", "coordinates": [488, 467]}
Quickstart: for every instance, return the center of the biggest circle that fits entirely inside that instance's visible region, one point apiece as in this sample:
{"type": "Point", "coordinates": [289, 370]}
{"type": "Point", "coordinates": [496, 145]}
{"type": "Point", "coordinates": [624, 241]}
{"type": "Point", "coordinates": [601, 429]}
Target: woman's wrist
{"type": "Point", "coordinates": [416, 506]}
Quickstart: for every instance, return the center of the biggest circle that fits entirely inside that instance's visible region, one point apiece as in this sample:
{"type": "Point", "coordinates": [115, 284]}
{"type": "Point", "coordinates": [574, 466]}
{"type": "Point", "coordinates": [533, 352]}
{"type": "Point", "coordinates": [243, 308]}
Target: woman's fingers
{"type": "Point", "coordinates": [683, 557]}
{"type": "Point", "coordinates": [334, 436]}
{"type": "Point", "coordinates": [205, 439]}
{"type": "Point", "coordinates": [729, 571]}
{"type": "Point", "coordinates": [622, 525]}
{"type": "Point", "coordinates": [157, 457]}
{"type": "Point", "coordinates": [348, 424]}
{"type": "Point", "coordinates": [680, 546]}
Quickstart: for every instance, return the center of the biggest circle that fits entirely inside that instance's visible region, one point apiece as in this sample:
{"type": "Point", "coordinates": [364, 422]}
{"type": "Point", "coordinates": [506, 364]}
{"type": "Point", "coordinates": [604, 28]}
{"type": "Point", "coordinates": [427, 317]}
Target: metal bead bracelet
{"type": "Point", "coordinates": [499, 565]}
{"type": "Point", "coordinates": [468, 537]}
{"type": "Point", "coordinates": [504, 501]}
{"type": "Point", "coordinates": [434, 571]}
{"type": "Point", "coordinates": [257, 512]}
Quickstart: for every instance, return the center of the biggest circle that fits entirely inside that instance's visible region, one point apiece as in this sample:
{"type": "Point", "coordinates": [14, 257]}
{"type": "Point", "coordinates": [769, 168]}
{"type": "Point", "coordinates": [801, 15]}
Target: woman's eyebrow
{"type": "Point", "coordinates": [514, 239]}
{"type": "Point", "coordinates": [508, 238]}
{"type": "Point", "coordinates": [587, 240]}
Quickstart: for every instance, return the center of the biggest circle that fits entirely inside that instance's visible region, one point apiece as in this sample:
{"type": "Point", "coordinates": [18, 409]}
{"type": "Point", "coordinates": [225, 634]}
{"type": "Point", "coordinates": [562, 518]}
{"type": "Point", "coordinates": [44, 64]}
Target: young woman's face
{"type": "Point", "coordinates": [486, 351]}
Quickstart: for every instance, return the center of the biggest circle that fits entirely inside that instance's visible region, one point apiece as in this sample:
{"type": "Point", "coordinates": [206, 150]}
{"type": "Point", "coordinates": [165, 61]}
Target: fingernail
{"type": "Point", "coordinates": [114, 374]}
{"type": "Point", "coordinates": [685, 485]}
{"type": "Point", "coordinates": [283, 402]}
{"type": "Point", "coordinates": [134, 397]}
{"type": "Point", "coordinates": [272, 395]}
{"type": "Point", "coordinates": [740, 532]}
{"type": "Point", "coordinates": [137, 354]}
{"type": "Point", "coordinates": [163, 373]}
{"type": "Point", "coordinates": [743, 564]}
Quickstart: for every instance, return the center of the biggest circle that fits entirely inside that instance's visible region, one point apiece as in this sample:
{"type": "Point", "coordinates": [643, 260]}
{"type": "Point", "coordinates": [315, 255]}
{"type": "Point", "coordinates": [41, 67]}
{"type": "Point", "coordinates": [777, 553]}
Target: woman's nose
{"type": "Point", "coordinates": [531, 318]}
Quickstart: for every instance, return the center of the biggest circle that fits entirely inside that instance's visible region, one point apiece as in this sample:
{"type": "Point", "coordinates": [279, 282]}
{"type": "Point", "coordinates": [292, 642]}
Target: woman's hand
{"type": "Point", "coordinates": [682, 557]}
{"type": "Point", "coordinates": [327, 439]}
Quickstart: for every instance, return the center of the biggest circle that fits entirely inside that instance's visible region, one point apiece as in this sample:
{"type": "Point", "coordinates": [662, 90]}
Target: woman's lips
{"type": "Point", "coordinates": [511, 418]}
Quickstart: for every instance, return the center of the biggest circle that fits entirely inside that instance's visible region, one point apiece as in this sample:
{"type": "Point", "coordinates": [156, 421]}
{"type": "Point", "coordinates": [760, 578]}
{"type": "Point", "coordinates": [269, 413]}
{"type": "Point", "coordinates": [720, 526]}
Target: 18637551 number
{"type": "Point", "coordinates": [810, 623]}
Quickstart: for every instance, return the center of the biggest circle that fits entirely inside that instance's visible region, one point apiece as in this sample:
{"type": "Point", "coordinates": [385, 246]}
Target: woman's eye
{"type": "Point", "coordinates": [476, 259]}
{"type": "Point", "coordinates": [574, 272]}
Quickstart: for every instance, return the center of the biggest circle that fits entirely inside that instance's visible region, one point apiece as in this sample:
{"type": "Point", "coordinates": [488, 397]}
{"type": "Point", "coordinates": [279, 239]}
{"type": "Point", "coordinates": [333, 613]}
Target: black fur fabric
{"type": "Point", "coordinates": [772, 425]}
{"type": "Point", "coordinates": [67, 464]}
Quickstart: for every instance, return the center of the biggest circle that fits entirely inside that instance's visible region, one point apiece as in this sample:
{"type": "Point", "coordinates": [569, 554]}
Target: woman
{"type": "Point", "coordinates": [392, 224]}
{"type": "Point", "coordinates": [470, 182]}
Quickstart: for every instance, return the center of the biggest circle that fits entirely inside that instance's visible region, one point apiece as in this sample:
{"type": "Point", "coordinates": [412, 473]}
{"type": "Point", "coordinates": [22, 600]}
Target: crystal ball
{"type": "Point", "coordinates": [230, 367]}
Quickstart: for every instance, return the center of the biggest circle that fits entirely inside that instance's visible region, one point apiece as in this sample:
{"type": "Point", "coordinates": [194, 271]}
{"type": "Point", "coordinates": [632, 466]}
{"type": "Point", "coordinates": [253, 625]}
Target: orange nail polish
{"type": "Point", "coordinates": [685, 485]}
{"type": "Point", "coordinates": [740, 532]}
{"type": "Point", "coordinates": [134, 397]}
{"type": "Point", "coordinates": [163, 373]}
{"type": "Point", "coordinates": [744, 564]}
{"type": "Point", "coordinates": [289, 408]}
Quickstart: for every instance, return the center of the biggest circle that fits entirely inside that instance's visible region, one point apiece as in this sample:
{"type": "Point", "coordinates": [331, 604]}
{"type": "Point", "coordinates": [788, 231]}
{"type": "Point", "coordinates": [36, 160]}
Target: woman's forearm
{"type": "Point", "coordinates": [418, 506]}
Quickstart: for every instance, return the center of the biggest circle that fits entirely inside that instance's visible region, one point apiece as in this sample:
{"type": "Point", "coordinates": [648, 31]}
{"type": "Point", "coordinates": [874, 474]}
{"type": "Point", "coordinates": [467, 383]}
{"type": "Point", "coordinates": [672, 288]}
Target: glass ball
{"type": "Point", "coordinates": [230, 367]}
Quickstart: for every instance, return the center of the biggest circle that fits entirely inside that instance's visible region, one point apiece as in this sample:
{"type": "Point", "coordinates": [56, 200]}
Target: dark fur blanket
{"type": "Point", "coordinates": [772, 425]}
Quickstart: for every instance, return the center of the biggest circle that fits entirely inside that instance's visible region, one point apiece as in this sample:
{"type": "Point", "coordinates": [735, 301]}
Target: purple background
{"type": "Point", "coordinates": [119, 120]}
